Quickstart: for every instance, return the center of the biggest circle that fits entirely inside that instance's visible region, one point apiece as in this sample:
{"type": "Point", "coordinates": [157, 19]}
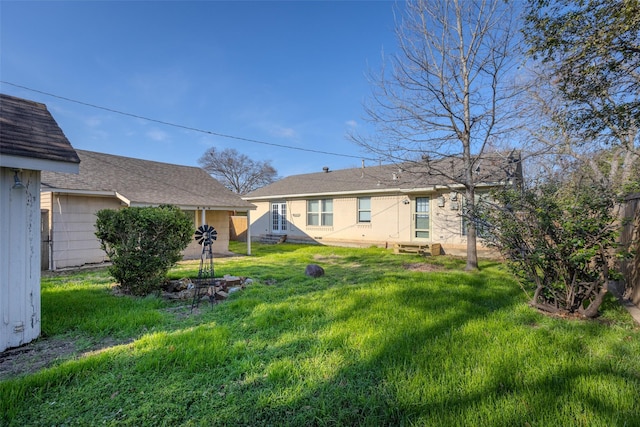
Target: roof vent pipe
{"type": "Point", "coordinates": [325, 169]}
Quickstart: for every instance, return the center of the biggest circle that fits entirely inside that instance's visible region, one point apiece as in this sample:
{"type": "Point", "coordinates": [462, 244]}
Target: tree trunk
{"type": "Point", "coordinates": [592, 310]}
{"type": "Point", "coordinates": [472, 249]}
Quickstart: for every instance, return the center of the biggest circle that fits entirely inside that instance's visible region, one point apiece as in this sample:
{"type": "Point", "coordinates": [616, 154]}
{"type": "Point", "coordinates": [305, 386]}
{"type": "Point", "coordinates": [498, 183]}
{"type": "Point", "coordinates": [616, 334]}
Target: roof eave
{"type": "Point", "coordinates": [321, 194]}
{"type": "Point", "coordinates": [102, 193]}
{"type": "Point", "coordinates": [199, 207]}
{"type": "Point", "coordinates": [428, 189]}
{"type": "Point", "coordinates": [34, 163]}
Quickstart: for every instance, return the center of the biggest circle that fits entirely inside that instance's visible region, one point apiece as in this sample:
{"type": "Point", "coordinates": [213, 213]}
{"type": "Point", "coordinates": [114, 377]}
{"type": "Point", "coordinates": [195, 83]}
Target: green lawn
{"type": "Point", "coordinates": [370, 343]}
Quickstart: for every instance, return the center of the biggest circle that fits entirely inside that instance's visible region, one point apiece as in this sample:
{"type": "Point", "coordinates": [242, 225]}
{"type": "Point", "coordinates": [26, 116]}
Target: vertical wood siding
{"type": "Point", "coordinates": [19, 258]}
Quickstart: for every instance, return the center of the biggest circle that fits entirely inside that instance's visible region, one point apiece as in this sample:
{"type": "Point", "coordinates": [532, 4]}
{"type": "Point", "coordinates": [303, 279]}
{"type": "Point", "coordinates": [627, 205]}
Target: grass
{"type": "Point", "coordinates": [370, 343]}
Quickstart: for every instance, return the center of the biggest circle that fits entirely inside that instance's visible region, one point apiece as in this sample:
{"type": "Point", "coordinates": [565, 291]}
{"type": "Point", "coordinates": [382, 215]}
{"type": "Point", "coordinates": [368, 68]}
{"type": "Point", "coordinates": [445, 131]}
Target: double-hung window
{"type": "Point", "coordinates": [320, 212]}
{"type": "Point", "coordinates": [364, 209]}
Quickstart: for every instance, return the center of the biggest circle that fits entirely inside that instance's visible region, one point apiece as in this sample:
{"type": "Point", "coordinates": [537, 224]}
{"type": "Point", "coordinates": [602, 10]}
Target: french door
{"type": "Point", "coordinates": [278, 217]}
{"type": "Point", "coordinates": [421, 222]}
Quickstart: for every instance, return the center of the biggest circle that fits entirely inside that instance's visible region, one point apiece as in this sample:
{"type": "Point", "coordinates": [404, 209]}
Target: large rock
{"type": "Point", "coordinates": [314, 270]}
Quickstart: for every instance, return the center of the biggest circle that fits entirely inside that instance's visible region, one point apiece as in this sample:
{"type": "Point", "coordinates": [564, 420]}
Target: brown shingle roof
{"type": "Point", "coordinates": [145, 182]}
{"type": "Point", "coordinates": [491, 169]}
{"type": "Point", "coordinates": [27, 129]}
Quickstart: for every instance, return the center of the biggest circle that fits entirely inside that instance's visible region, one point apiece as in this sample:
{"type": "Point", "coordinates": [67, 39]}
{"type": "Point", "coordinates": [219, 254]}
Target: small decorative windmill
{"type": "Point", "coordinates": [204, 235]}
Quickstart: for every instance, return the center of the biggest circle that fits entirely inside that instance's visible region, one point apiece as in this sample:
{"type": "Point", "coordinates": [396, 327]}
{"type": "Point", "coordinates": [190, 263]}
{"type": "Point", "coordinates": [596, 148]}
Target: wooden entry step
{"type": "Point", "coordinates": [433, 249]}
{"type": "Point", "coordinates": [273, 239]}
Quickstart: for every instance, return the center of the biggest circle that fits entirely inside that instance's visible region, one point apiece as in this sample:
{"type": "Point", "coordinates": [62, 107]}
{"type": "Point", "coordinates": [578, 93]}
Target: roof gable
{"type": "Point", "coordinates": [144, 182]}
{"type": "Point", "coordinates": [29, 131]}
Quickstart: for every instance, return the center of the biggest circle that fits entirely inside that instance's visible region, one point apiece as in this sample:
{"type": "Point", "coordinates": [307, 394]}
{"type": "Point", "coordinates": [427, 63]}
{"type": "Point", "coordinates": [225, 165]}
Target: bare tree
{"type": "Point", "coordinates": [449, 92]}
{"type": "Point", "coordinates": [237, 171]}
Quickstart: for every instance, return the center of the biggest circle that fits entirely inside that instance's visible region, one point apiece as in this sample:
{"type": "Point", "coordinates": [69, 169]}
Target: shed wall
{"type": "Point", "coordinates": [19, 258]}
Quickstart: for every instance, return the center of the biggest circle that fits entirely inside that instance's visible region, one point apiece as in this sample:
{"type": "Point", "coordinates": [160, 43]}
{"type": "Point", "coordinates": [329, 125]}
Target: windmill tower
{"type": "Point", "coordinates": [204, 235]}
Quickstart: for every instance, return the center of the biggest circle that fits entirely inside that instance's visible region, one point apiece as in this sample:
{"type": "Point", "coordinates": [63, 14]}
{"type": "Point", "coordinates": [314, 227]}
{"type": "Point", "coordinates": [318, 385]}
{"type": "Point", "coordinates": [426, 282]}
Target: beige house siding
{"type": "Point", "coordinates": [391, 221]}
{"type": "Point", "coordinates": [72, 224]}
{"type": "Point", "coordinates": [72, 221]}
{"type": "Point", "coordinates": [45, 201]}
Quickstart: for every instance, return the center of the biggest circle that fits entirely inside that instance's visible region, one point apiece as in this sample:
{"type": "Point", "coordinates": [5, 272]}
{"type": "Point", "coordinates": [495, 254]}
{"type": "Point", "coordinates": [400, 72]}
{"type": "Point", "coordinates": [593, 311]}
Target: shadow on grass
{"type": "Point", "coordinates": [368, 344]}
{"type": "Point", "coordinates": [446, 371]}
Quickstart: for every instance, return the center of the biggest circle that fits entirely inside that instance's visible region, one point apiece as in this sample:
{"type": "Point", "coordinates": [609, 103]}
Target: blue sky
{"type": "Point", "coordinates": [291, 73]}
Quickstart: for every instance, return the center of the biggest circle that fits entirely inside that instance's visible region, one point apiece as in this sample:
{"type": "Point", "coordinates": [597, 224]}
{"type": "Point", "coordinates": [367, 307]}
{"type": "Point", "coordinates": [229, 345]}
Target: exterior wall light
{"type": "Point", "coordinates": [17, 183]}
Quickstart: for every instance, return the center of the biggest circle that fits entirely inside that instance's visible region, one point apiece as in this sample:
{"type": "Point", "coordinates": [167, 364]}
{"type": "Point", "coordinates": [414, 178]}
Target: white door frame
{"type": "Point", "coordinates": [279, 223]}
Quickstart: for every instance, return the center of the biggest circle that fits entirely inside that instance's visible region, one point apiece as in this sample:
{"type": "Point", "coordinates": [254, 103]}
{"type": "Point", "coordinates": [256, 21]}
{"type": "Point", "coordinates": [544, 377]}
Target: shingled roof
{"type": "Point", "coordinates": [142, 183]}
{"type": "Point", "coordinates": [412, 176]}
{"type": "Point", "coordinates": [28, 130]}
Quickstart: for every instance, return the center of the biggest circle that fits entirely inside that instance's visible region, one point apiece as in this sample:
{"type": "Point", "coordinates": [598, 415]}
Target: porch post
{"type": "Point", "coordinates": [248, 232]}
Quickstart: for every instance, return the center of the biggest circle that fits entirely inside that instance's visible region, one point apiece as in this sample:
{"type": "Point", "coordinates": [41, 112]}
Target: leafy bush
{"type": "Point", "coordinates": [560, 237]}
{"type": "Point", "coordinates": [142, 244]}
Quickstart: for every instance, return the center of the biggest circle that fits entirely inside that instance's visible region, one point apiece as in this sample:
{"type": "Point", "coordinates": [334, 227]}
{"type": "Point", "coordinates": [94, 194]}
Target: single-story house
{"type": "Point", "coordinates": [379, 205]}
{"type": "Point", "coordinates": [30, 142]}
{"type": "Point", "coordinates": [107, 181]}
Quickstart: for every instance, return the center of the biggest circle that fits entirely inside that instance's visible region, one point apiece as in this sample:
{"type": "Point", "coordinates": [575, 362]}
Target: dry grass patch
{"type": "Point", "coordinates": [422, 266]}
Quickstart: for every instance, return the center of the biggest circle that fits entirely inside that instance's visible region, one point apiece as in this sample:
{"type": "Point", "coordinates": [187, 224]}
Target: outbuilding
{"type": "Point", "coordinates": [30, 142]}
{"type": "Point", "coordinates": [107, 181]}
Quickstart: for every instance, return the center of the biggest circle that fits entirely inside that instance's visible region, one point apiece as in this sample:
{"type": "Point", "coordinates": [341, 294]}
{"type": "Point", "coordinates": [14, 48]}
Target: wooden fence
{"type": "Point", "coordinates": [238, 228]}
{"type": "Point", "coordinates": [630, 238]}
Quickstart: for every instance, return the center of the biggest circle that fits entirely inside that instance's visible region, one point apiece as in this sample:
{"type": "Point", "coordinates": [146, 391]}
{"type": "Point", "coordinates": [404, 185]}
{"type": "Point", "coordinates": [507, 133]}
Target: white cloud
{"type": "Point", "coordinates": [351, 123]}
{"type": "Point", "coordinates": [157, 135]}
{"type": "Point", "coordinates": [283, 132]}
{"type": "Point", "coordinates": [93, 121]}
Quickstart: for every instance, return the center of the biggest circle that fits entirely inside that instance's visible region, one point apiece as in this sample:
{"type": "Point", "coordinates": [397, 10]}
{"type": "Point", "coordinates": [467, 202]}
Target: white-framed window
{"type": "Point", "coordinates": [421, 224]}
{"type": "Point", "coordinates": [320, 212]}
{"type": "Point", "coordinates": [364, 209]}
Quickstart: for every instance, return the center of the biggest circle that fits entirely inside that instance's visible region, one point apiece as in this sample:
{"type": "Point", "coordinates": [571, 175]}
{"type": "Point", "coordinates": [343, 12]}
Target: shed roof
{"type": "Point", "coordinates": [143, 182]}
{"type": "Point", "coordinates": [28, 130]}
{"type": "Point", "coordinates": [406, 177]}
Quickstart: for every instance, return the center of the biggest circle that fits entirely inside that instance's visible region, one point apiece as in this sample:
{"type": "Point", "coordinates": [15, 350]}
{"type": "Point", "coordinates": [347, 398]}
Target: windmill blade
{"type": "Point", "coordinates": [205, 234]}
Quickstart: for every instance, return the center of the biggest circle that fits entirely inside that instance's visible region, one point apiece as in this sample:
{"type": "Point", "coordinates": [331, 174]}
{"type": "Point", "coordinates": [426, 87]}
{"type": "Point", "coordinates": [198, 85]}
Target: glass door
{"type": "Point", "coordinates": [421, 218]}
{"type": "Point", "coordinates": [278, 217]}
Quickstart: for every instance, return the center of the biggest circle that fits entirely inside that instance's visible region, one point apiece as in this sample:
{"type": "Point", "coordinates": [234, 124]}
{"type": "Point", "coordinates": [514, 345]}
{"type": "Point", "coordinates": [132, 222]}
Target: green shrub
{"type": "Point", "coordinates": [142, 244]}
{"type": "Point", "coordinates": [560, 237]}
